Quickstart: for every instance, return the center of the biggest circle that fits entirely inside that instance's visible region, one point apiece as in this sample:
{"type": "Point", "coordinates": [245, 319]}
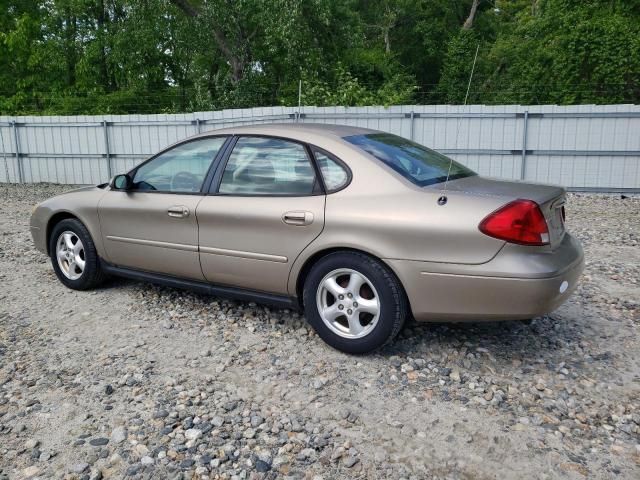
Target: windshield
{"type": "Point", "coordinates": [419, 164]}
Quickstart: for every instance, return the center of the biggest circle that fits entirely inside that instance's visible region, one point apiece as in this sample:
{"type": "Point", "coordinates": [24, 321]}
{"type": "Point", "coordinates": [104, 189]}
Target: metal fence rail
{"type": "Point", "coordinates": [582, 147]}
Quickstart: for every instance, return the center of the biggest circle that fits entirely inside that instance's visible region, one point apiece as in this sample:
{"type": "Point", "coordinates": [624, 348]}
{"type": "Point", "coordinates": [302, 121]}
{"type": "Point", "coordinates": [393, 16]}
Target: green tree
{"type": "Point", "coordinates": [569, 51]}
{"type": "Point", "coordinates": [142, 56]}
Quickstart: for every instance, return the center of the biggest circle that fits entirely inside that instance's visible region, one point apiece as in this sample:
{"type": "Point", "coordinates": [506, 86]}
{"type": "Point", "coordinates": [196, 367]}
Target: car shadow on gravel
{"type": "Point", "coordinates": [122, 283]}
{"type": "Point", "coordinates": [549, 340]}
{"type": "Point", "coordinates": [550, 337]}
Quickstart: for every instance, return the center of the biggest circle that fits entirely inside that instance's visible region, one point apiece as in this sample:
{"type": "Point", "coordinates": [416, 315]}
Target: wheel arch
{"type": "Point", "coordinates": [54, 220]}
{"type": "Point", "coordinates": [309, 262]}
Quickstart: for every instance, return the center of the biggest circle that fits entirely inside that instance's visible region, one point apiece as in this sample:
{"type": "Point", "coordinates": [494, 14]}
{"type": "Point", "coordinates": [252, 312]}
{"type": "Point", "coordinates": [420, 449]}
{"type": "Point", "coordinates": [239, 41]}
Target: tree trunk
{"type": "Point", "coordinates": [101, 18]}
{"type": "Point", "coordinates": [187, 7]}
{"type": "Point", "coordinates": [390, 19]}
{"type": "Point", "coordinates": [238, 62]}
{"type": "Point", "coordinates": [237, 70]}
{"type": "Point", "coordinates": [70, 46]}
{"type": "Point", "coordinates": [211, 79]}
{"type": "Point", "coordinates": [468, 23]}
{"type": "Point", "coordinates": [534, 8]}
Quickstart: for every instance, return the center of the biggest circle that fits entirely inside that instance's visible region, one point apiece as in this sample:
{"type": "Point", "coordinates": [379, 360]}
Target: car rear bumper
{"type": "Point", "coordinates": [518, 283]}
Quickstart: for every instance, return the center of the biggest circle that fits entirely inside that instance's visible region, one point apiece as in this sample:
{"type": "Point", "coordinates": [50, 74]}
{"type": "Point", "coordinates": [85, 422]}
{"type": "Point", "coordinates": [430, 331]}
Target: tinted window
{"type": "Point", "coordinates": [268, 166]}
{"type": "Point", "coordinates": [334, 174]}
{"type": "Point", "coordinates": [181, 169]}
{"type": "Point", "coordinates": [419, 164]}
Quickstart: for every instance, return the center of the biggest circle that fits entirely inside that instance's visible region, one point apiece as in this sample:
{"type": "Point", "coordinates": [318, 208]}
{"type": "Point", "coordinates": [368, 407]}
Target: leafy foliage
{"type": "Point", "coordinates": [141, 56]}
{"type": "Point", "coordinates": [570, 51]}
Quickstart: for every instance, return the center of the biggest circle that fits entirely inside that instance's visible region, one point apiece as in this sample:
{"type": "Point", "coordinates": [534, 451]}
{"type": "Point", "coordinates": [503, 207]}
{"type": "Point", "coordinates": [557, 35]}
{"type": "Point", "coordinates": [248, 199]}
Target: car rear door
{"type": "Point", "coordinates": [266, 206]}
{"type": "Point", "coordinates": [153, 226]}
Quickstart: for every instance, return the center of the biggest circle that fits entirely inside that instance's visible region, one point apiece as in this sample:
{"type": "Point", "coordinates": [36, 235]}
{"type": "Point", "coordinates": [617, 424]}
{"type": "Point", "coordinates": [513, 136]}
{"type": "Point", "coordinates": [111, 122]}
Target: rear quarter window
{"type": "Point", "coordinates": [334, 174]}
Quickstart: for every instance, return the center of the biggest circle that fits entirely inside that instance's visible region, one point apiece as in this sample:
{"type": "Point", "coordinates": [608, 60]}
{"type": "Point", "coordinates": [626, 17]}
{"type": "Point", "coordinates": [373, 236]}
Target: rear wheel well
{"type": "Point", "coordinates": [313, 259]}
{"type": "Point", "coordinates": [53, 221]}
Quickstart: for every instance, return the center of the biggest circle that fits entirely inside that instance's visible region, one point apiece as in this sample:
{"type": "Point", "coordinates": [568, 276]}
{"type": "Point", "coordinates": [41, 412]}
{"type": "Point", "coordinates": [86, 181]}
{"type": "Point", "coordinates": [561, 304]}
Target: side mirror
{"type": "Point", "coordinates": [122, 182]}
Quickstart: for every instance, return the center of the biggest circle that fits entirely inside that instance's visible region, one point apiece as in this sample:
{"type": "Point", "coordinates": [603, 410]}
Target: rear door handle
{"type": "Point", "coordinates": [178, 211]}
{"type": "Point", "coordinates": [298, 218]}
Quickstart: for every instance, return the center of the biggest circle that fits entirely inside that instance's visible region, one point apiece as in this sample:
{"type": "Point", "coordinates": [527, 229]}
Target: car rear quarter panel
{"type": "Point", "coordinates": [386, 216]}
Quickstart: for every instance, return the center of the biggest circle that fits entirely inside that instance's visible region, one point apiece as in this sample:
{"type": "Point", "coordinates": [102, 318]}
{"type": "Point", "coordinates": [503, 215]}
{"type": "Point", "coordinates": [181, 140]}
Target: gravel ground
{"type": "Point", "coordinates": [133, 380]}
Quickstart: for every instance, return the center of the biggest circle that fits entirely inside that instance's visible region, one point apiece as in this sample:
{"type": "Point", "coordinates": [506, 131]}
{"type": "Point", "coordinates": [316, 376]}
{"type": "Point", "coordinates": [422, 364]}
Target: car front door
{"type": "Point", "coordinates": [153, 226]}
{"type": "Point", "coordinates": [266, 206]}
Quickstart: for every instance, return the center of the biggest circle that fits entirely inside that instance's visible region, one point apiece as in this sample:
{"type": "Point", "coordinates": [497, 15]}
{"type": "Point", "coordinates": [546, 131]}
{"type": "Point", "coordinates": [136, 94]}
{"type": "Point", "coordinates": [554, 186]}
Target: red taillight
{"type": "Point", "coordinates": [520, 221]}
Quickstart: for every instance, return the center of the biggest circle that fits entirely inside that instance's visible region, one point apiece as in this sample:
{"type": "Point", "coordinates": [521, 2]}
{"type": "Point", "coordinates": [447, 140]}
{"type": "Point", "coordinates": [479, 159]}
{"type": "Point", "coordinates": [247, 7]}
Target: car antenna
{"type": "Point", "coordinates": [442, 200]}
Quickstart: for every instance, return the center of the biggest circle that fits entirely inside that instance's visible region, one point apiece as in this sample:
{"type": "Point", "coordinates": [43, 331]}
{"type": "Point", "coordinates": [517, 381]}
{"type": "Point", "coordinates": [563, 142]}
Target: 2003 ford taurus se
{"type": "Point", "coordinates": [357, 227]}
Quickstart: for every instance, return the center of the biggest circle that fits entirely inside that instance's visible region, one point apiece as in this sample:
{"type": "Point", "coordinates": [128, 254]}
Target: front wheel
{"type": "Point", "coordinates": [74, 256]}
{"type": "Point", "coordinates": [354, 302]}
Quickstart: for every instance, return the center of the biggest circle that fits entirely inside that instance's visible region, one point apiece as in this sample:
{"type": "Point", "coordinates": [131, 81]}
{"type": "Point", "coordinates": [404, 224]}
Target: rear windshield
{"type": "Point", "coordinates": [419, 164]}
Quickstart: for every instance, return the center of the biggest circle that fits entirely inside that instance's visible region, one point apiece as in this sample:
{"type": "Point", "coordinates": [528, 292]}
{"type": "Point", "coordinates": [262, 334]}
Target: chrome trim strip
{"type": "Point", "coordinates": [241, 254]}
{"type": "Point", "coordinates": [577, 263]}
{"type": "Point", "coordinates": [154, 243]}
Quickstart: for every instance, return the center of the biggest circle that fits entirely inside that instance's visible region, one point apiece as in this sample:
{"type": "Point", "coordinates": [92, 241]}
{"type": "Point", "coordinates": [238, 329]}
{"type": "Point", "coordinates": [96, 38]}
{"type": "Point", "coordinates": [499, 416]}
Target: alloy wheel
{"type": "Point", "coordinates": [348, 303]}
{"type": "Point", "coordinates": [70, 255]}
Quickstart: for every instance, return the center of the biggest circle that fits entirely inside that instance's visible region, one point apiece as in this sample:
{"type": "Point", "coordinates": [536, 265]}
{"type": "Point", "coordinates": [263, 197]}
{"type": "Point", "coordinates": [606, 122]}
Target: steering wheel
{"type": "Point", "coordinates": [184, 181]}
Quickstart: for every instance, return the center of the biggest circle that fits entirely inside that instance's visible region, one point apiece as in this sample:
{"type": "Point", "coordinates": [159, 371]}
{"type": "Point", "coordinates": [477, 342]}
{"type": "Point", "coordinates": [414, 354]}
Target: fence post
{"type": "Point", "coordinates": [4, 156]}
{"type": "Point", "coordinates": [523, 163]}
{"type": "Point", "coordinates": [299, 100]}
{"type": "Point", "coordinates": [413, 116]}
{"type": "Point", "coordinates": [16, 139]}
{"type": "Point", "coordinates": [198, 125]}
{"type": "Point", "coordinates": [107, 149]}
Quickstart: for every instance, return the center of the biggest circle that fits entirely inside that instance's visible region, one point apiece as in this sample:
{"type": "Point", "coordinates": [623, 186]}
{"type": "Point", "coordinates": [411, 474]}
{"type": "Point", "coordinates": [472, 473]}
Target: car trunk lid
{"type": "Point", "coordinates": [550, 198]}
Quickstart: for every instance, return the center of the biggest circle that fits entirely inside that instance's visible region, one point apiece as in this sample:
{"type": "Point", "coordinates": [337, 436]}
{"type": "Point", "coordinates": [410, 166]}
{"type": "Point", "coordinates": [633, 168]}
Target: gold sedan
{"type": "Point", "coordinates": [358, 228]}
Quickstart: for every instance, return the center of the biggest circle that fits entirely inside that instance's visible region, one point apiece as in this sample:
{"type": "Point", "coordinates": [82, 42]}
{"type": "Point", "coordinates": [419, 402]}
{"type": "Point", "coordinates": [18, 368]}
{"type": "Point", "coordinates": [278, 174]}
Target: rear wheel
{"type": "Point", "coordinates": [73, 255]}
{"type": "Point", "coordinates": [354, 302]}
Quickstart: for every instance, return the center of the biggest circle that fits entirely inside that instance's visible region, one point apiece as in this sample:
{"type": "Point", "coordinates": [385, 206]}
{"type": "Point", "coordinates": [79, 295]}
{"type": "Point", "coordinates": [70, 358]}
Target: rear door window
{"type": "Point", "coordinates": [268, 166]}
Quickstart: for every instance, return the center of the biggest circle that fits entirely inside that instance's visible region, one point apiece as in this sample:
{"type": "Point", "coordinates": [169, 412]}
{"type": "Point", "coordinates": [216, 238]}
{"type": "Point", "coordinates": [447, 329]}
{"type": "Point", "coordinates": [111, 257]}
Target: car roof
{"type": "Point", "coordinates": [294, 130]}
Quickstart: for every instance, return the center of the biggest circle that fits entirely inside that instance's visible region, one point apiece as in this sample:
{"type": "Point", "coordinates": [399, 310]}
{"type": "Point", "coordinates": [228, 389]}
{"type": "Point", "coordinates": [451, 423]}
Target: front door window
{"type": "Point", "coordinates": [179, 170]}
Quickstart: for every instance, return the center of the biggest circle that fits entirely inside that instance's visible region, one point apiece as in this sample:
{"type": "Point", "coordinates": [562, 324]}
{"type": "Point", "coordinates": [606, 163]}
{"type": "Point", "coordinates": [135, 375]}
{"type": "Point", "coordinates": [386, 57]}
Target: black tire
{"type": "Point", "coordinates": [92, 275]}
{"type": "Point", "coordinates": [393, 303]}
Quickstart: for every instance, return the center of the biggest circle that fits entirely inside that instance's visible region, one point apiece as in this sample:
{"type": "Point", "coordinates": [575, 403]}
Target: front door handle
{"type": "Point", "coordinates": [178, 211]}
{"type": "Point", "coordinates": [298, 218]}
